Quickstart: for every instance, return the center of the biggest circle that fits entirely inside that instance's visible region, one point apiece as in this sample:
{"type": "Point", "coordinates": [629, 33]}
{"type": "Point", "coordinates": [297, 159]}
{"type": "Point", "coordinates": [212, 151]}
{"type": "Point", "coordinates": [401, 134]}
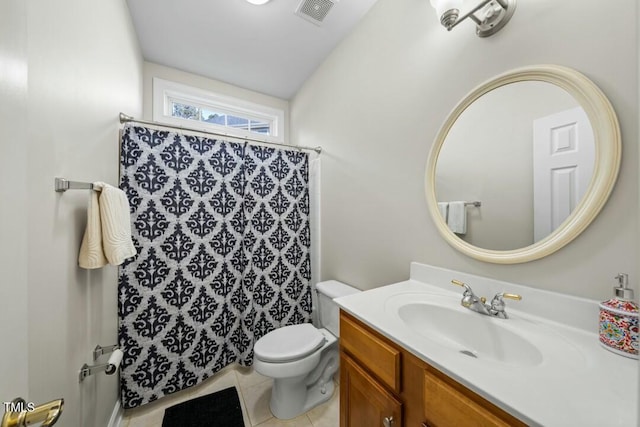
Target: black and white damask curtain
{"type": "Point", "coordinates": [222, 232]}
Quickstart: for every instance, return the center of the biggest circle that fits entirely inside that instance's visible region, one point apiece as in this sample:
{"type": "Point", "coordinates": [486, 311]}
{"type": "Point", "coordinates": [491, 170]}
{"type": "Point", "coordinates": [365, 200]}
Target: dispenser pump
{"type": "Point", "coordinates": [623, 291]}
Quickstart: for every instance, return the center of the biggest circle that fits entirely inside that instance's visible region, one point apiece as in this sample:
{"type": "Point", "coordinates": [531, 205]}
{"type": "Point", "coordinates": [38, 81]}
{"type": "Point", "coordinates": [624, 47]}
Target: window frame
{"type": "Point", "coordinates": [166, 92]}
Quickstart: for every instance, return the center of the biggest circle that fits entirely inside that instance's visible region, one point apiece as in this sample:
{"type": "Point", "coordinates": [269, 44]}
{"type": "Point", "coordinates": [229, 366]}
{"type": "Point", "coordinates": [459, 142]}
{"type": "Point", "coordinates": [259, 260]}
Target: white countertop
{"type": "Point", "coordinates": [576, 383]}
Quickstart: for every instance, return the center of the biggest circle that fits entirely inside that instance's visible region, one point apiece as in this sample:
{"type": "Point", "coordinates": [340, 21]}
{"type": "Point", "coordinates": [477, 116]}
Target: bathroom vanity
{"type": "Point", "coordinates": [383, 381]}
{"type": "Point", "coordinates": [411, 355]}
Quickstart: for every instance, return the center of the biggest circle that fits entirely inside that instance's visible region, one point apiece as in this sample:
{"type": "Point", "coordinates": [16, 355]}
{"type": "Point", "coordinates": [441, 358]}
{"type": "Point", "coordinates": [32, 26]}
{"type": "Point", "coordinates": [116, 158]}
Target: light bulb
{"type": "Point", "coordinates": [258, 2]}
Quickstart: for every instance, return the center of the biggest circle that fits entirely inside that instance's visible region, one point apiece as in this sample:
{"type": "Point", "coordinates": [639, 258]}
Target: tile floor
{"type": "Point", "coordinates": [254, 391]}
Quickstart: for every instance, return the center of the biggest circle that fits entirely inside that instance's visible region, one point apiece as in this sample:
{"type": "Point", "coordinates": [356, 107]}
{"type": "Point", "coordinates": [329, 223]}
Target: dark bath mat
{"type": "Point", "coordinates": [219, 409]}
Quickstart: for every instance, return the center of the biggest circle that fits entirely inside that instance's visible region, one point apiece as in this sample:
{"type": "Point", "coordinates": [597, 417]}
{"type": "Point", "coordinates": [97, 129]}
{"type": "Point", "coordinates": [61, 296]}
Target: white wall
{"type": "Point", "coordinates": [81, 65]}
{"type": "Point", "coordinates": [376, 103]}
{"type": "Point", "coordinates": [152, 70]}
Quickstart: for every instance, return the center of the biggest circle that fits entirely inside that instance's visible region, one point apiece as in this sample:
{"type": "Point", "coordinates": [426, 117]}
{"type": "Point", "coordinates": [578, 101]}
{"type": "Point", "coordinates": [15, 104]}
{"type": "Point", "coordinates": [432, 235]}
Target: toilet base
{"type": "Point", "coordinates": [291, 397]}
{"type": "Point", "coordinates": [288, 408]}
{"type": "Point", "coordinates": [311, 382]}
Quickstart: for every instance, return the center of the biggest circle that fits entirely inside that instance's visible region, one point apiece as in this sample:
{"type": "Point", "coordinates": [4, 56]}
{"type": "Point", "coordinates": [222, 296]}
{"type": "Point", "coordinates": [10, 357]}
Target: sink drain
{"type": "Point", "coordinates": [468, 353]}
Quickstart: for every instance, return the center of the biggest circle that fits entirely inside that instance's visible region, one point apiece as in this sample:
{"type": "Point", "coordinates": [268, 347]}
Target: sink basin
{"type": "Point", "coordinates": [469, 333]}
{"type": "Point", "coordinates": [441, 322]}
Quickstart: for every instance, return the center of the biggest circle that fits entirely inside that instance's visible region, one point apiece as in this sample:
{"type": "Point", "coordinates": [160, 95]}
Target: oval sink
{"type": "Point", "coordinates": [469, 333]}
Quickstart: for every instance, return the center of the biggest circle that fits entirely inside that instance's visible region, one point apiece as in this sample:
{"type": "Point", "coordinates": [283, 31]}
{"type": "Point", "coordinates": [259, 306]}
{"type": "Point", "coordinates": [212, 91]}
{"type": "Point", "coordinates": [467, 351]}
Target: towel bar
{"type": "Point", "coordinates": [61, 185]}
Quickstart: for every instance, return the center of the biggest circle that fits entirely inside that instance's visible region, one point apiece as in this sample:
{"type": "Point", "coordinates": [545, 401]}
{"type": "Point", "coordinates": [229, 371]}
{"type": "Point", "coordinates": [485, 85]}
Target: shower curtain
{"type": "Point", "coordinates": [222, 233]}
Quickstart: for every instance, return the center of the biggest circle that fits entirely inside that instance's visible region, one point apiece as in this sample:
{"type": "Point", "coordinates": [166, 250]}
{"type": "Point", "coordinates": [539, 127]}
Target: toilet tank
{"type": "Point", "coordinates": [328, 310]}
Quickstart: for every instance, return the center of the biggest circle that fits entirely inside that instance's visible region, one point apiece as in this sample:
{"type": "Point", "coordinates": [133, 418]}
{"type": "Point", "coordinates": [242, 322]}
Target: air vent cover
{"type": "Point", "coordinates": [314, 10]}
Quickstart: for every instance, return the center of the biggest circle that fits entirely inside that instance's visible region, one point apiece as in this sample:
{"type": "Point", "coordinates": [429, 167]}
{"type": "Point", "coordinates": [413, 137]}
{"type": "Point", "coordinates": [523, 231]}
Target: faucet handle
{"type": "Point", "coordinates": [497, 303]}
{"type": "Point", "coordinates": [498, 298]}
{"type": "Point", "coordinates": [467, 289]}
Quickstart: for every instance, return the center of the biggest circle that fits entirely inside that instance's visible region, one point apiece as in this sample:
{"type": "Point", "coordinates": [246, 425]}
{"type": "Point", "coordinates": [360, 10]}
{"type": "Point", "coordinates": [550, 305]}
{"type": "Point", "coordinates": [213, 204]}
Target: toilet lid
{"type": "Point", "coordinates": [289, 343]}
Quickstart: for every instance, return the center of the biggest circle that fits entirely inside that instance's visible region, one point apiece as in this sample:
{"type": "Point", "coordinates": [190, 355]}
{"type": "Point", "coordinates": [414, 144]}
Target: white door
{"type": "Point", "coordinates": [15, 317]}
{"type": "Point", "coordinates": [13, 234]}
{"type": "Point", "coordinates": [563, 161]}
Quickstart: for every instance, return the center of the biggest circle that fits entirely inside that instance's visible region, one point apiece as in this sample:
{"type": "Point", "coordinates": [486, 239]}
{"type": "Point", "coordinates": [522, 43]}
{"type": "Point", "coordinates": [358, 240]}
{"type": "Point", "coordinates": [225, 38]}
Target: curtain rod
{"type": "Point", "coordinates": [124, 118]}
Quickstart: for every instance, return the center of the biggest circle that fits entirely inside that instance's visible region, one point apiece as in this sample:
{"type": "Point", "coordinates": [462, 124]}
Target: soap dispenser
{"type": "Point", "coordinates": [619, 320]}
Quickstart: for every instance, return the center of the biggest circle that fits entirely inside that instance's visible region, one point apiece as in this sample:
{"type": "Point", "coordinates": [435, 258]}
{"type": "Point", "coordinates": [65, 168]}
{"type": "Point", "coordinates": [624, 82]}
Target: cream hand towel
{"type": "Point", "coordinates": [91, 253]}
{"type": "Point", "coordinates": [457, 220]}
{"type": "Point", "coordinates": [443, 207]}
{"type": "Point", "coordinates": [116, 224]}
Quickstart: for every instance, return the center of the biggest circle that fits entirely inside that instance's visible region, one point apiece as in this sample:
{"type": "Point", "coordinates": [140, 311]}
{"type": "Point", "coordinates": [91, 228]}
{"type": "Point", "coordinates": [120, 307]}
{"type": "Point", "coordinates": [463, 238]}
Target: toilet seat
{"type": "Point", "coordinates": [289, 343]}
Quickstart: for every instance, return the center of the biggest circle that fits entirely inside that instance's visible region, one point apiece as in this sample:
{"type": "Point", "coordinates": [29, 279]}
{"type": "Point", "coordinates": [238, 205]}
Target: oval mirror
{"type": "Point", "coordinates": [523, 164]}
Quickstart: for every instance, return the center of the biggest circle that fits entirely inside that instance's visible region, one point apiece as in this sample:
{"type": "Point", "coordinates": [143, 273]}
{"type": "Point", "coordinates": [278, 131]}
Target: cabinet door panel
{"type": "Point", "coordinates": [363, 401]}
{"type": "Point", "coordinates": [446, 404]}
{"type": "Point", "coordinates": [379, 357]}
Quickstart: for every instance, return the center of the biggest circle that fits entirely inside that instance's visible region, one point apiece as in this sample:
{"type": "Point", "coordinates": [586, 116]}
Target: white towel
{"type": "Point", "coordinates": [457, 219]}
{"type": "Point", "coordinates": [116, 225]}
{"type": "Point", "coordinates": [443, 207]}
{"type": "Point", "coordinates": [91, 253]}
{"type": "Point", "coordinates": [108, 234]}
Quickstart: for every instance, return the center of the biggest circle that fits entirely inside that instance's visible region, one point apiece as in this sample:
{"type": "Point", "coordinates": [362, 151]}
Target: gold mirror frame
{"type": "Point", "coordinates": [606, 130]}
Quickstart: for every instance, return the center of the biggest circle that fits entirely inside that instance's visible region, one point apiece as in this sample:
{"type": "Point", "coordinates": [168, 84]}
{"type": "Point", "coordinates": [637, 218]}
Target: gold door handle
{"type": "Point", "coordinates": [19, 413]}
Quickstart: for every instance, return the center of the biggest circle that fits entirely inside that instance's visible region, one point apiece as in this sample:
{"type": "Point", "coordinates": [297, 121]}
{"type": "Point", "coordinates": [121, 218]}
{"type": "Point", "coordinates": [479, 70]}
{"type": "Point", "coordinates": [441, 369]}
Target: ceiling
{"type": "Point", "coordinates": [265, 48]}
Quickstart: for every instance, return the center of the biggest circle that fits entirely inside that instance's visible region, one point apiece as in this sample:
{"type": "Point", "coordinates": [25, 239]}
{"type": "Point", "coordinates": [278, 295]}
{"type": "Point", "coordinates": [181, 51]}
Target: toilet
{"type": "Point", "coordinates": [302, 359]}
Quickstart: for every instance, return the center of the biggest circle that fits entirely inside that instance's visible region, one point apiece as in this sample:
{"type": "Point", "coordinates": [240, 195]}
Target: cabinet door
{"type": "Point", "coordinates": [447, 403]}
{"type": "Point", "coordinates": [371, 350]}
{"type": "Point", "coordinates": [363, 401]}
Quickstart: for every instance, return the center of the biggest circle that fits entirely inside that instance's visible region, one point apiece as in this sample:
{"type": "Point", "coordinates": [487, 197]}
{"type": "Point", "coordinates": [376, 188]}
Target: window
{"type": "Point", "coordinates": [179, 104]}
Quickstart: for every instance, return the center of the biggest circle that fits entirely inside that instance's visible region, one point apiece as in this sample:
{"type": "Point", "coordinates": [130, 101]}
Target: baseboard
{"type": "Point", "coordinates": [116, 415]}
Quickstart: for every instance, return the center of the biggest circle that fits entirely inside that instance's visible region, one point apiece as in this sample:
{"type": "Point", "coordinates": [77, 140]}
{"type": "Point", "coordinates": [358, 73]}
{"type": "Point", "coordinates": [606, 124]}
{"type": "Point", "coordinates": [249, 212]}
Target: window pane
{"type": "Point", "coordinates": [185, 111]}
{"type": "Point", "coordinates": [217, 112]}
{"type": "Point", "coordinates": [214, 117]}
{"type": "Point", "coordinates": [260, 127]}
{"type": "Point", "coordinates": [237, 122]}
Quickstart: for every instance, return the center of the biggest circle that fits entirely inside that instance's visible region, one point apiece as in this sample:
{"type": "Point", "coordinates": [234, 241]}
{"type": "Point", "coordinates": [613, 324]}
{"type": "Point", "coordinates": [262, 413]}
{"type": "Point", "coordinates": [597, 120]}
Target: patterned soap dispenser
{"type": "Point", "coordinates": [619, 320]}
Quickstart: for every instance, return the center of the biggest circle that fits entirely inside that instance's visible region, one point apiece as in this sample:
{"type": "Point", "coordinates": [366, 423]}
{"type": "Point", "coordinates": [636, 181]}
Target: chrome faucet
{"type": "Point", "coordinates": [470, 300]}
{"type": "Point", "coordinates": [479, 304]}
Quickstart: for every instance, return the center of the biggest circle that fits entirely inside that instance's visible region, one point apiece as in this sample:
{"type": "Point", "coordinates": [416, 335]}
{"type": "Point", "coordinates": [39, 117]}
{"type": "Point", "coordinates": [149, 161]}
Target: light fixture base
{"type": "Point", "coordinates": [449, 18]}
{"type": "Point", "coordinates": [494, 16]}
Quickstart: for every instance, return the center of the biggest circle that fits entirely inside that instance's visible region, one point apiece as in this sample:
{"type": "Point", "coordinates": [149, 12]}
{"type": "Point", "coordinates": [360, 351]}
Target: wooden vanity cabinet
{"type": "Point", "coordinates": [383, 385]}
{"type": "Point", "coordinates": [369, 377]}
{"type": "Point", "coordinates": [363, 401]}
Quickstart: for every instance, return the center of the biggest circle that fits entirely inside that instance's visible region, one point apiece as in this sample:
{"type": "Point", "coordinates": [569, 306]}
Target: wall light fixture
{"type": "Point", "coordinates": [490, 16]}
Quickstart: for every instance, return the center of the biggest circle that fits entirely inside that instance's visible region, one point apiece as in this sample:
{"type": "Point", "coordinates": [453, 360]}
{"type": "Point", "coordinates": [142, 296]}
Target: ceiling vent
{"type": "Point", "coordinates": [314, 10]}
